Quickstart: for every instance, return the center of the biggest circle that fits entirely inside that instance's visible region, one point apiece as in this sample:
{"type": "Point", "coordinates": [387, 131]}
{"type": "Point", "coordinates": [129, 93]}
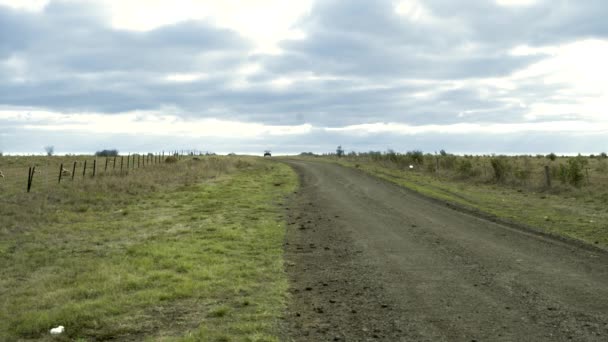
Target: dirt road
{"type": "Point", "coordinates": [371, 261]}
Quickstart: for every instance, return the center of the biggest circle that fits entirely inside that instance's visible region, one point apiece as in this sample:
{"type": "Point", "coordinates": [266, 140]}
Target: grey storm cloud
{"type": "Point", "coordinates": [367, 60]}
{"type": "Point", "coordinates": [370, 39]}
{"type": "Point", "coordinates": [74, 61]}
{"type": "Point", "coordinates": [541, 23]}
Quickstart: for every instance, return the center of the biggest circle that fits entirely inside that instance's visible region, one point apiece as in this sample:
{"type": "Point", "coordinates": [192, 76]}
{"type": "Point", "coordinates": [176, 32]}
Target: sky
{"type": "Point", "coordinates": [471, 76]}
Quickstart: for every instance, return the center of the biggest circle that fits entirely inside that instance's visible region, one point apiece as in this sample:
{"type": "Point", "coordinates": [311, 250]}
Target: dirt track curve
{"type": "Point", "coordinates": [371, 261]}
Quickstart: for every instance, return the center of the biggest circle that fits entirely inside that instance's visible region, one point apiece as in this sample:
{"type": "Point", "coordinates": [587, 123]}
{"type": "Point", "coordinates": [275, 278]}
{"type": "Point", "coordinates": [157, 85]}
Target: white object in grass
{"type": "Point", "coordinates": [58, 330]}
{"type": "Point", "coordinates": [411, 166]}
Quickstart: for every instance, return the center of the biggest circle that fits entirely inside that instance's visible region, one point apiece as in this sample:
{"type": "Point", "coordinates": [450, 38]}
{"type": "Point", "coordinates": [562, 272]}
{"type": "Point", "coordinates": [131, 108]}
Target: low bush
{"type": "Point", "coordinates": [501, 167]}
{"type": "Point", "coordinates": [416, 156]}
{"type": "Point", "coordinates": [464, 167]}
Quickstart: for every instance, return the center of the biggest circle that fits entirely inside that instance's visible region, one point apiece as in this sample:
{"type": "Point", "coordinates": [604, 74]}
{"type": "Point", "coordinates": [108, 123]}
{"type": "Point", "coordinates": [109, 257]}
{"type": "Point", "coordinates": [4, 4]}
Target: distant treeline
{"type": "Point", "coordinates": [107, 153]}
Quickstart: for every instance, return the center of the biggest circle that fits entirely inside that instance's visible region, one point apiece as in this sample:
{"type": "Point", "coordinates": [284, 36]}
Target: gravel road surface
{"type": "Point", "coordinates": [371, 261]}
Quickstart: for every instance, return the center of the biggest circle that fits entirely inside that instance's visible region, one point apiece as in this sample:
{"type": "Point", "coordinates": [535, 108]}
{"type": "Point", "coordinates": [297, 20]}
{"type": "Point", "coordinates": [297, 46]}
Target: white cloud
{"type": "Point", "coordinates": [266, 22]}
{"type": "Point", "coordinates": [16, 66]}
{"type": "Point", "coordinates": [414, 10]}
{"type": "Point", "coordinates": [516, 3]}
{"type": "Point", "coordinates": [580, 70]}
{"type": "Point", "coordinates": [144, 123]}
{"type": "Point", "coordinates": [30, 5]}
{"type": "Point", "coordinates": [473, 128]}
{"type": "Point", "coordinates": [185, 77]}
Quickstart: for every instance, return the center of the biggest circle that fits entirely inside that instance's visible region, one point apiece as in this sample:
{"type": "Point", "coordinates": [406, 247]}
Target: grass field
{"type": "Point", "coordinates": [185, 251]}
{"type": "Point", "coordinates": [576, 212]}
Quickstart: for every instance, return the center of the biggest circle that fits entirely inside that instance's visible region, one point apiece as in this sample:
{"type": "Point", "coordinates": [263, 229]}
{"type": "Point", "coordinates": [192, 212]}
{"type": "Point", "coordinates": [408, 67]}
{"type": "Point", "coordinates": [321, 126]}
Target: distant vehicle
{"type": "Point", "coordinates": [267, 154]}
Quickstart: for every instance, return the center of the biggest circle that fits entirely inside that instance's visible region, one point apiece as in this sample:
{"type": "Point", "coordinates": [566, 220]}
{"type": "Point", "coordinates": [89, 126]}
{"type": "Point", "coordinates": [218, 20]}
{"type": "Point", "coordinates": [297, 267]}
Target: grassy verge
{"type": "Point", "coordinates": [582, 216]}
{"type": "Point", "coordinates": [191, 251]}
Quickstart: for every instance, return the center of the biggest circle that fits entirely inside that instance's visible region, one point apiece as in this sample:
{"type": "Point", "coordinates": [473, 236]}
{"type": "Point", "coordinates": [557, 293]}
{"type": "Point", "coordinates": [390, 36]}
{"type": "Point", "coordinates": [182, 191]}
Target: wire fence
{"type": "Point", "coordinates": [37, 173]}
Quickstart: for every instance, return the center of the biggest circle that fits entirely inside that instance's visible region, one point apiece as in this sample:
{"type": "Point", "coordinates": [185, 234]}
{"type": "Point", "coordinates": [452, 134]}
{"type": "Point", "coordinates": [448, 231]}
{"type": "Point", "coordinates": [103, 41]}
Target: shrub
{"type": "Point", "coordinates": [575, 170]}
{"type": "Point", "coordinates": [171, 159]}
{"type": "Point", "coordinates": [107, 153]}
{"type": "Point", "coordinates": [572, 171]}
{"type": "Point", "coordinates": [464, 167]}
{"type": "Point", "coordinates": [551, 156]}
{"type": "Point", "coordinates": [391, 156]}
{"type": "Point", "coordinates": [416, 156]}
{"type": "Point", "coordinates": [448, 162]}
{"type": "Point", "coordinates": [603, 155]}
{"type": "Point", "coordinates": [563, 174]}
{"type": "Point", "coordinates": [501, 167]}
{"type": "Point", "coordinates": [523, 174]}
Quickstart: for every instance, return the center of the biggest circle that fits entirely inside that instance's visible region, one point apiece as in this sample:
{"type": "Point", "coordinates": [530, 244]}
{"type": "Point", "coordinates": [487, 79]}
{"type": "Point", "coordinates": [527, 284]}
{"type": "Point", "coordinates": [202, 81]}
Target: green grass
{"type": "Point", "coordinates": [580, 214]}
{"type": "Point", "coordinates": [191, 251]}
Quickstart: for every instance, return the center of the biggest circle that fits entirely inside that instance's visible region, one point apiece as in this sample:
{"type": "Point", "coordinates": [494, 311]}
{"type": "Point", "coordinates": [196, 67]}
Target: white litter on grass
{"type": "Point", "coordinates": [58, 330]}
{"type": "Point", "coordinates": [411, 166]}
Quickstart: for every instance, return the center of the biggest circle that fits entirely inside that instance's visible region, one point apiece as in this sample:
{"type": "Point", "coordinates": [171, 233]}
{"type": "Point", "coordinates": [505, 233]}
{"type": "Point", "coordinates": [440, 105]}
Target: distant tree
{"type": "Point", "coordinates": [443, 153]}
{"type": "Point", "coordinates": [340, 151]}
{"type": "Point", "coordinates": [50, 150]}
{"type": "Point", "coordinates": [603, 155]}
{"type": "Point", "coordinates": [107, 153]}
{"type": "Point", "coordinates": [551, 156]}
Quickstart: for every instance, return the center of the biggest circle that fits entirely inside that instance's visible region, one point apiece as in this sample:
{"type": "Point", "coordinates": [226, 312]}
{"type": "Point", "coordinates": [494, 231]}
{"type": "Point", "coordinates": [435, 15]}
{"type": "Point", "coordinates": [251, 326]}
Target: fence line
{"type": "Point", "coordinates": [142, 160]}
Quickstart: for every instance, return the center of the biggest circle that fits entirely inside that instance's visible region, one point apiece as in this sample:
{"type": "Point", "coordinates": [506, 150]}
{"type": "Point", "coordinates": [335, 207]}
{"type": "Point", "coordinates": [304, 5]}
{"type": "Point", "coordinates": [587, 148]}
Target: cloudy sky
{"type": "Point", "coordinates": [471, 76]}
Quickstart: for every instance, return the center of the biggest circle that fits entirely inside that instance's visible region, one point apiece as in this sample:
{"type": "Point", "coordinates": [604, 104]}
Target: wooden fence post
{"type": "Point", "coordinates": [74, 170]}
{"type": "Point", "coordinates": [32, 173]}
{"type": "Point", "coordinates": [128, 158]}
{"type": "Point", "coordinates": [547, 176]}
{"type": "Point", "coordinates": [94, 166]}
{"type": "Point", "coordinates": [121, 160]}
{"type": "Point", "coordinates": [106, 168]}
{"type": "Point", "coordinates": [29, 179]}
{"type": "Point", "coordinates": [84, 169]}
{"type": "Point", "coordinates": [60, 173]}
{"type": "Point", "coordinates": [114, 166]}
